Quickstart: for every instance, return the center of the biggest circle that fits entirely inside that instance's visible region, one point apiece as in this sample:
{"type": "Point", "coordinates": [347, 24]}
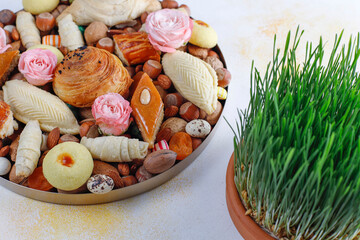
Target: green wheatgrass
{"type": "Point", "coordinates": [297, 145]}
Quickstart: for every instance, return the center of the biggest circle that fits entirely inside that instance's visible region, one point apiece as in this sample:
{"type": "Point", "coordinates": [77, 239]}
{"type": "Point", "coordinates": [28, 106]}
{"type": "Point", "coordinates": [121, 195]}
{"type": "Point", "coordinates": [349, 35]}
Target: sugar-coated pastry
{"type": "Point", "coordinates": [115, 149]}
{"type": "Point", "coordinates": [8, 62]}
{"type": "Point", "coordinates": [29, 33]}
{"type": "Point", "coordinates": [28, 151]}
{"type": "Point", "coordinates": [203, 35]}
{"type": "Point", "coordinates": [193, 78]}
{"type": "Point", "coordinates": [88, 73]}
{"type": "Point", "coordinates": [148, 109]}
{"type": "Point", "coordinates": [134, 48]}
{"type": "Point", "coordinates": [110, 12]}
{"type": "Point", "coordinates": [68, 165]}
{"type": "Point", "coordinates": [7, 123]}
{"type": "Point", "coordinates": [69, 32]}
{"type": "Point", "coordinates": [32, 103]}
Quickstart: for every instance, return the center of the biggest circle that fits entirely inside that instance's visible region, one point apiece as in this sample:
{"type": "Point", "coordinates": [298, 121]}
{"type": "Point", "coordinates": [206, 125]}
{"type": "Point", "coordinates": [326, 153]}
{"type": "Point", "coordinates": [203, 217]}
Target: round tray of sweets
{"type": "Point", "coordinates": [76, 74]}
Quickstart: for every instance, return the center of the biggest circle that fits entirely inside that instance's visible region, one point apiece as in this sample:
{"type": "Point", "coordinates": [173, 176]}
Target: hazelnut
{"type": "Point", "coordinates": [131, 71]}
{"type": "Point", "coordinates": [152, 68]}
{"type": "Point", "coordinates": [161, 91]}
{"type": "Point", "coordinates": [214, 117]}
{"type": "Point", "coordinates": [199, 52]}
{"type": "Point", "coordinates": [68, 138]}
{"type": "Point", "coordinates": [106, 44]}
{"type": "Point", "coordinates": [173, 99]}
{"type": "Point", "coordinates": [202, 114]}
{"type": "Point", "coordinates": [188, 111]}
{"type": "Point", "coordinates": [169, 4]}
{"type": "Point", "coordinates": [171, 111]}
{"type": "Point", "coordinates": [94, 32]}
{"type": "Point", "coordinates": [214, 62]}
{"type": "Point", "coordinates": [45, 21]}
{"type": "Point", "coordinates": [224, 77]}
{"type": "Point", "coordinates": [138, 68]}
{"type": "Point", "coordinates": [7, 17]}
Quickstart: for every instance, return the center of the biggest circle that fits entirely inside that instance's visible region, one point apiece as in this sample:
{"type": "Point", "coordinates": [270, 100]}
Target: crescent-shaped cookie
{"type": "Point", "coordinates": [193, 78]}
{"type": "Point", "coordinates": [31, 103]}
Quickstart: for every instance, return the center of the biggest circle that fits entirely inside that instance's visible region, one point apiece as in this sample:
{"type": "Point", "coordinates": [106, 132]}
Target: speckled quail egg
{"type": "Point", "coordinates": [100, 184]}
{"type": "Point", "coordinates": [198, 128]}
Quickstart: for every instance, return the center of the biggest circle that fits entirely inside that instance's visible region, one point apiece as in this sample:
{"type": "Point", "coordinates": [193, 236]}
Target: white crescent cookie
{"type": "Point", "coordinates": [193, 78]}
{"type": "Point", "coordinates": [32, 103]}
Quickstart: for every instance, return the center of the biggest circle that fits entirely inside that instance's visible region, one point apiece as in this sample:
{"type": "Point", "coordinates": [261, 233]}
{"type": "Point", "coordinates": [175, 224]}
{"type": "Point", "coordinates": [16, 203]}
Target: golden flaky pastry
{"type": "Point", "coordinates": [7, 123]}
{"type": "Point", "coordinates": [88, 73]}
{"type": "Point", "coordinates": [110, 12]}
{"type": "Point", "coordinates": [193, 78]}
{"type": "Point", "coordinates": [28, 103]}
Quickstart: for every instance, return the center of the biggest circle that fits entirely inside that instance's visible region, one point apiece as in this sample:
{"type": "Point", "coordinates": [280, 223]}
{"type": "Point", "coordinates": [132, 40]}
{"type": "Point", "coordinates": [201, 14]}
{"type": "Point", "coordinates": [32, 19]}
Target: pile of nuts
{"type": "Point", "coordinates": [184, 128]}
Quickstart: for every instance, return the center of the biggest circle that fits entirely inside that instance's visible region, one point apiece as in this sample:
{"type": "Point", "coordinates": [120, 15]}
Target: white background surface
{"type": "Point", "coordinates": [192, 205]}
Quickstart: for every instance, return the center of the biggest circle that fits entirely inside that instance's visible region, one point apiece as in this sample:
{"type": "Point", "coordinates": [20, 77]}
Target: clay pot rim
{"type": "Point", "coordinates": [245, 225]}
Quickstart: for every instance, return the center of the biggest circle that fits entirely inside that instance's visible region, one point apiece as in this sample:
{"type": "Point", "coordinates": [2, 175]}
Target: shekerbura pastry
{"type": "Point", "coordinates": [88, 73]}
{"type": "Point", "coordinates": [32, 103]}
{"type": "Point", "coordinates": [193, 78]}
{"type": "Point", "coordinates": [68, 166]}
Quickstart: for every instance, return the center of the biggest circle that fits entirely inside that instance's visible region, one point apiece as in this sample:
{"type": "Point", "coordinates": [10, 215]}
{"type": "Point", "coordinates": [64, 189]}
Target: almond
{"type": "Point", "coordinates": [143, 17]}
{"type": "Point", "coordinates": [173, 99]}
{"type": "Point", "coordinates": [4, 151]}
{"type": "Point", "coordinates": [133, 169]}
{"type": "Point", "coordinates": [42, 158]}
{"type": "Point", "coordinates": [224, 77]}
{"type": "Point", "coordinates": [152, 68]}
{"type": "Point", "coordinates": [68, 138]}
{"type": "Point", "coordinates": [214, 62]}
{"type": "Point", "coordinates": [138, 68]}
{"type": "Point", "coordinates": [93, 131]}
{"type": "Point", "coordinates": [159, 161]}
{"type": "Point", "coordinates": [108, 170]}
{"type": "Point", "coordinates": [15, 35]}
{"type": "Point", "coordinates": [142, 175]}
{"type": "Point", "coordinates": [129, 180]}
{"type": "Point", "coordinates": [164, 134]}
{"type": "Point", "coordinates": [53, 138]}
{"type": "Point", "coordinates": [123, 169]}
{"type": "Point", "coordinates": [164, 81]}
{"type": "Point", "coordinates": [161, 91]}
{"type": "Point", "coordinates": [171, 111]}
{"type": "Point", "coordinates": [189, 111]}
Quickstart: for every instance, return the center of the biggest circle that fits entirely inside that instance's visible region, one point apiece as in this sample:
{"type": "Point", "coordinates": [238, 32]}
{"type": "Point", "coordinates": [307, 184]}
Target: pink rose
{"type": "Point", "coordinates": [38, 66]}
{"type": "Point", "coordinates": [3, 46]}
{"type": "Point", "coordinates": [112, 113]}
{"type": "Point", "coordinates": [168, 29]}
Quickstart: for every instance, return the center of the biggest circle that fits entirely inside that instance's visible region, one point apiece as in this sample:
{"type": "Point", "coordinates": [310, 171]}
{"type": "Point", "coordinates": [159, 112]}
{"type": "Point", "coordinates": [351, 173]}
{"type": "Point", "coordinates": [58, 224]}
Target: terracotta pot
{"type": "Point", "coordinates": [246, 226]}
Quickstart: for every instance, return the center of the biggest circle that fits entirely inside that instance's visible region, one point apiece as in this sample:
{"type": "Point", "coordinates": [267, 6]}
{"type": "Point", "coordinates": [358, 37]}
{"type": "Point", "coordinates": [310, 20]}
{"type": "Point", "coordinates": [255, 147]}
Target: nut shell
{"type": "Point", "coordinates": [174, 99]}
{"type": "Point", "coordinates": [159, 161]}
{"type": "Point", "coordinates": [214, 117]}
{"type": "Point", "coordinates": [214, 62]}
{"type": "Point", "coordinates": [188, 111]}
{"type": "Point", "coordinates": [45, 21]}
{"type": "Point", "coordinates": [152, 68]}
{"type": "Point", "coordinates": [224, 77]}
{"type": "Point", "coordinates": [106, 44]}
{"type": "Point", "coordinates": [108, 170]}
{"type": "Point", "coordinates": [175, 124]}
{"type": "Point", "coordinates": [94, 32]}
{"type": "Point", "coordinates": [142, 175]}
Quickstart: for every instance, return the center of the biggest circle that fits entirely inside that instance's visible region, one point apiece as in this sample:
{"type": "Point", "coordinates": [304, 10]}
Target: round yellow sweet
{"type": "Point", "coordinates": [56, 51]}
{"type": "Point", "coordinates": [39, 6]}
{"type": "Point", "coordinates": [203, 35]}
{"type": "Point", "coordinates": [68, 166]}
